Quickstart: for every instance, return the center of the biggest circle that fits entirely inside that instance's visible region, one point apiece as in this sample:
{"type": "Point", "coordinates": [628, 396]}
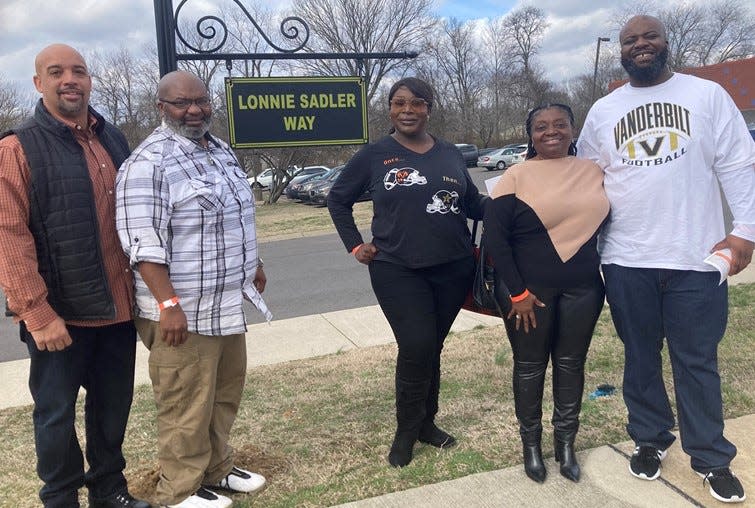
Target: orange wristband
{"type": "Point", "coordinates": [168, 303]}
{"type": "Point", "coordinates": [355, 249]}
{"type": "Point", "coordinates": [521, 296]}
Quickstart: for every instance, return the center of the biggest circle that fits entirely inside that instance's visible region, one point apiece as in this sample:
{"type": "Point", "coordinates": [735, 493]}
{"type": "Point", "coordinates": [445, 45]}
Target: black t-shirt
{"type": "Point", "coordinates": [420, 202]}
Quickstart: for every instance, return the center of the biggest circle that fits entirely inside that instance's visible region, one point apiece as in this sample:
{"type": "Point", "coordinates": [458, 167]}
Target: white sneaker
{"type": "Point", "coordinates": [240, 480]}
{"type": "Point", "coordinates": [204, 498]}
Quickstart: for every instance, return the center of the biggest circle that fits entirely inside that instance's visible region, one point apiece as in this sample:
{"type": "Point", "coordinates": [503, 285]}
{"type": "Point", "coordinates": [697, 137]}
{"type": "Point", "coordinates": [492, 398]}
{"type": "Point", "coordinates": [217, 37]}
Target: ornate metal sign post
{"type": "Point", "coordinates": [292, 28]}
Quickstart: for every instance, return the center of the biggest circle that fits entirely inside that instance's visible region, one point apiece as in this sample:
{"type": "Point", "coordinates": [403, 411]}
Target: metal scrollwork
{"type": "Point", "coordinates": [292, 28]}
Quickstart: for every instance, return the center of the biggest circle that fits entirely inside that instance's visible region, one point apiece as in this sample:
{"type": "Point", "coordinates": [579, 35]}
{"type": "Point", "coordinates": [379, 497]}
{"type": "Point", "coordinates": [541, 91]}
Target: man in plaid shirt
{"type": "Point", "coordinates": [185, 217]}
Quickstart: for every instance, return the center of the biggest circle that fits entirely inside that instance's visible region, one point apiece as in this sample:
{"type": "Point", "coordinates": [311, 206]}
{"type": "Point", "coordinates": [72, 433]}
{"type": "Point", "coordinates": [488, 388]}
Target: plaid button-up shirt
{"type": "Point", "coordinates": [191, 208]}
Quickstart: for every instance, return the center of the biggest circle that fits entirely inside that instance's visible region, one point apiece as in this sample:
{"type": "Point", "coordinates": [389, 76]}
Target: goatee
{"type": "Point", "coordinates": [646, 75]}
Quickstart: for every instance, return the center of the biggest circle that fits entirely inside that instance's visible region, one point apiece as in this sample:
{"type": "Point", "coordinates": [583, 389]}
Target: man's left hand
{"type": "Point", "coordinates": [741, 252]}
{"type": "Point", "coordinates": [260, 280]}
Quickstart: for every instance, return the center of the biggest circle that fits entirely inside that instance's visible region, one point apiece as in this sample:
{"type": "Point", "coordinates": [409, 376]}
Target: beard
{"type": "Point", "coordinates": [649, 74]}
{"type": "Point", "coordinates": [71, 109]}
{"type": "Point", "coordinates": [184, 130]}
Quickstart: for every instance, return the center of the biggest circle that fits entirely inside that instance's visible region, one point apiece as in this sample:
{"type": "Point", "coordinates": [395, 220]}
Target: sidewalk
{"type": "Point", "coordinates": [605, 479]}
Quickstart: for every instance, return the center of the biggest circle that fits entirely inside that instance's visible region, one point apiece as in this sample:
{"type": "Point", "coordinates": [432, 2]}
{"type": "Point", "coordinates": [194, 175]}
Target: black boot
{"type": "Point", "coordinates": [533, 457]}
{"type": "Point", "coordinates": [529, 378]}
{"type": "Point", "coordinates": [568, 385]}
{"type": "Point", "coordinates": [402, 448]}
{"type": "Point", "coordinates": [430, 433]}
{"type": "Point", "coordinates": [411, 396]}
{"type": "Point", "coordinates": [564, 455]}
{"type": "Point", "coordinates": [435, 436]}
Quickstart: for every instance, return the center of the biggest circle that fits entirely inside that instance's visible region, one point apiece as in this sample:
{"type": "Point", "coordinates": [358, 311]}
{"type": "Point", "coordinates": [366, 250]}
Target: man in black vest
{"type": "Point", "coordinates": [68, 282]}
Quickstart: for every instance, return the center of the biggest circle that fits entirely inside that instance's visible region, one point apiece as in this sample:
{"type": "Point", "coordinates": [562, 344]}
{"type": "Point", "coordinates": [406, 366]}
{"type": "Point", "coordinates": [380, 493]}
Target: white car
{"type": "Point", "coordinates": [264, 179]}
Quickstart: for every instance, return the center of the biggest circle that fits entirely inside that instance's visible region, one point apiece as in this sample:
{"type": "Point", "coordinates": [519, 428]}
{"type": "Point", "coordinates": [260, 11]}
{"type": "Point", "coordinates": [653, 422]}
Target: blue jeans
{"type": "Point", "coordinates": [101, 359]}
{"type": "Point", "coordinates": [689, 309]}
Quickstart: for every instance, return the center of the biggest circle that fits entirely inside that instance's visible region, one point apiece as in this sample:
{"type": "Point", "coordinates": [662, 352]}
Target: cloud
{"type": "Point", "coordinates": [87, 25]}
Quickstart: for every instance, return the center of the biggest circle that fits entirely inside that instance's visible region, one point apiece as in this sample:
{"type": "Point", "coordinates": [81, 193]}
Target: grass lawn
{"type": "Point", "coordinates": [291, 218]}
{"type": "Point", "coordinates": [320, 429]}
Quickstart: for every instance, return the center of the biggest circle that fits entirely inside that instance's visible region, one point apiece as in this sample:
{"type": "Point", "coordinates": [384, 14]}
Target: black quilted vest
{"type": "Point", "coordinates": [63, 218]}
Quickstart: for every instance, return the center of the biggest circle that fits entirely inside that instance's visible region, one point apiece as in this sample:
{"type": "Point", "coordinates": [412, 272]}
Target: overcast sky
{"type": "Point", "coordinates": [26, 26]}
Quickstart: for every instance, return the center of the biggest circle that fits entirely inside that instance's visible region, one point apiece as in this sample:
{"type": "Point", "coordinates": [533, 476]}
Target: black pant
{"type": "Point", "coordinates": [101, 359]}
{"type": "Point", "coordinates": [420, 305]}
{"type": "Point", "coordinates": [564, 331]}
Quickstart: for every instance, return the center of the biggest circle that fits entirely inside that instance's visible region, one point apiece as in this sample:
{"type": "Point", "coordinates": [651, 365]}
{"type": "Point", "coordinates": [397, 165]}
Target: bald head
{"type": "Point", "coordinates": [63, 80]}
{"type": "Point", "coordinates": [644, 21]}
{"type": "Point", "coordinates": [55, 52]}
{"type": "Point", "coordinates": [178, 80]}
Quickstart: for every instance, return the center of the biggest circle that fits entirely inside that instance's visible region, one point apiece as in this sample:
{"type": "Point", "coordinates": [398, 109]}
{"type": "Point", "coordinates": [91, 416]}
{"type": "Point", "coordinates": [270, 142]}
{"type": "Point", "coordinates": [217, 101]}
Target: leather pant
{"type": "Point", "coordinates": [564, 331]}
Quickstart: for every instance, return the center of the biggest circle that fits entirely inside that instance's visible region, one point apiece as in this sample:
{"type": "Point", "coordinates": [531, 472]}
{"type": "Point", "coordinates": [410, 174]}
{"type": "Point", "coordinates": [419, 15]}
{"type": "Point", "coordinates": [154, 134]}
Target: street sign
{"type": "Point", "coordinates": [296, 111]}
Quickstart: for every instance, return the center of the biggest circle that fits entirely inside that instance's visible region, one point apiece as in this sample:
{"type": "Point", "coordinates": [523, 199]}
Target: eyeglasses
{"type": "Point", "coordinates": [414, 103]}
{"type": "Point", "coordinates": [201, 102]}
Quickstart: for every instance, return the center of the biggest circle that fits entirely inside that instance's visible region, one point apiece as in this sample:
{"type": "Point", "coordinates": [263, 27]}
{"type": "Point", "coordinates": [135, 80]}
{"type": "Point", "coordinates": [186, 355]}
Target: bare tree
{"type": "Point", "coordinates": [729, 34]}
{"type": "Point", "coordinates": [684, 24]}
{"type": "Point", "coordinates": [460, 64]}
{"type": "Point", "coordinates": [700, 34]}
{"type": "Point", "coordinates": [14, 105]}
{"type": "Point", "coordinates": [364, 26]}
{"type": "Point", "coordinates": [524, 29]}
{"type": "Point", "coordinates": [244, 37]}
{"type": "Point", "coordinates": [124, 88]}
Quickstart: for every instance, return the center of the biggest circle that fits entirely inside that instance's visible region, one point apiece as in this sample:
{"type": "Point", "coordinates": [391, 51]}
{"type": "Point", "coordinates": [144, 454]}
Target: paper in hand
{"type": "Point", "coordinates": [721, 261]}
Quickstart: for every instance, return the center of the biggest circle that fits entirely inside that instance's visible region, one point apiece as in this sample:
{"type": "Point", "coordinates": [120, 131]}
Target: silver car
{"type": "Point", "coordinates": [502, 158]}
{"type": "Point", "coordinates": [492, 160]}
{"type": "Point", "coordinates": [514, 155]}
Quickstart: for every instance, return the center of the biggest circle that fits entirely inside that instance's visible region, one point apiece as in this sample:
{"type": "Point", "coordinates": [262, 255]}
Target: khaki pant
{"type": "Point", "coordinates": [197, 388]}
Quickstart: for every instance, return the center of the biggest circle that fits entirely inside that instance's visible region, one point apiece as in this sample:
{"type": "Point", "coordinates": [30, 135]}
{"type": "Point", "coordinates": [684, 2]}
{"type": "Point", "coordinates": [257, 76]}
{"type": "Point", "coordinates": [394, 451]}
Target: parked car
{"type": "Point", "coordinates": [311, 170]}
{"type": "Point", "coordinates": [264, 179]}
{"type": "Point", "coordinates": [307, 173]}
{"type": "Point", "coordinates": [304, 191]}
{"type": "Point", "coordinates": [493, 160]}
{"type": "Point", "coordinates": [485, 151]}
{"type": "Point", "coordinates": [470, 154]}
{"type": "Point", "coordinates": [318, 194]}
{"type": "Point", "coordinates": [514, 155]}
{"type": "Point", "coordinates": [319, 189]}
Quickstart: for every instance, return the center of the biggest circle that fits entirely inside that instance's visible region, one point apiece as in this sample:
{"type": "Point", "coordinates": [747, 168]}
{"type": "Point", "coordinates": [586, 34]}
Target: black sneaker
{"type": "Point", "coordinates": [646, 462]}
{"type": "Point", "coordinates": [724, 486]}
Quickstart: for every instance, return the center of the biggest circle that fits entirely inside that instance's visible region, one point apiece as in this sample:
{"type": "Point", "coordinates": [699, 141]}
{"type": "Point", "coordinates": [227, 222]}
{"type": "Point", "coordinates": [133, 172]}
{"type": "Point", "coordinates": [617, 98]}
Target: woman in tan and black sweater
{"type": "Point", "coordinates": [541, 230]}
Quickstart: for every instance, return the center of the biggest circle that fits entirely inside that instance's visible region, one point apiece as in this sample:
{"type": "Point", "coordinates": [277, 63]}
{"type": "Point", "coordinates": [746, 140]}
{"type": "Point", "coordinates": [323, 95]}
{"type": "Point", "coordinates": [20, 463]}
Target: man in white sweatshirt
{"type": "Point", "coordinates": [665, 140]}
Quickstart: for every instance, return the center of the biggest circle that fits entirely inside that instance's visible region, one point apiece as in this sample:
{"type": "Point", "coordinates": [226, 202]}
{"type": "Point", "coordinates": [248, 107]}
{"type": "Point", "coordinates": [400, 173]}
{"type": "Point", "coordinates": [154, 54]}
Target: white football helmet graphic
{"type": "Point", "coordinates": [404, 177]}
{"type": "Point", "coordinates": [444, 201]}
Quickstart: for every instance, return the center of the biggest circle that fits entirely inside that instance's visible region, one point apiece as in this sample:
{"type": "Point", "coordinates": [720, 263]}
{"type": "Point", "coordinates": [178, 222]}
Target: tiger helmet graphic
{"type": "Point", "coordinates": [404, 177]}
{"type": "Point", "coordinates": [443, 202]}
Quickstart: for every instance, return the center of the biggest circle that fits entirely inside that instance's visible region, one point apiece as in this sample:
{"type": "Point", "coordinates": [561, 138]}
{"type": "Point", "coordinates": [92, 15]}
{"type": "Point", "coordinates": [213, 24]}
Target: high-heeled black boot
{"type": "Point", "coordinates": [567, 458]}
{"type": "Point", "coordinates": [568, 385]}
{"type": "Point", "coordinates": [529, 378]}
{"type": "Point", "coordinates": [534, 467]}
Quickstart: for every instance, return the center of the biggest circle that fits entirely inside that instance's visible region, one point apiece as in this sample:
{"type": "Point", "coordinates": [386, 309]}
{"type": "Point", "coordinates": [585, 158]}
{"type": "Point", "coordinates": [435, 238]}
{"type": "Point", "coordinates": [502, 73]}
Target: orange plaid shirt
{"type": "Point", "coordinates": [19, 276]}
